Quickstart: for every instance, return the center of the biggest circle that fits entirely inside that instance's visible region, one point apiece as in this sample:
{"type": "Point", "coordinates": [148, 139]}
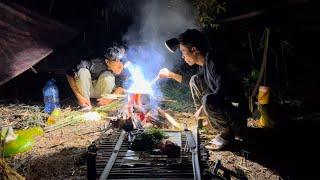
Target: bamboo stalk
{"type": "Point", "coordinates": [263, 64]}
{"type": "Point", "coordinates": [64, 124]}
{"type": "Point", "coordinates": [74, 117]}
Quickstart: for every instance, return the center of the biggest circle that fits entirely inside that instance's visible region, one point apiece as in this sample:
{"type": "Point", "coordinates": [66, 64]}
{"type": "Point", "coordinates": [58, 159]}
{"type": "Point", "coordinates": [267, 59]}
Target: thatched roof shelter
{"type": "Point", "coordinates": [26, 38]}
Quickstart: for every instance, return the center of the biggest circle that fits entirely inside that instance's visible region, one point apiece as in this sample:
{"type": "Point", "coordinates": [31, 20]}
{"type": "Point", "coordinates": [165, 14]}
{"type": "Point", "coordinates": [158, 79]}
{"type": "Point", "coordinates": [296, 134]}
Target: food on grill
{"type": "Point", "coordinates": [171, 149]}
{"type": "Point", "coordinates": [147, 140]}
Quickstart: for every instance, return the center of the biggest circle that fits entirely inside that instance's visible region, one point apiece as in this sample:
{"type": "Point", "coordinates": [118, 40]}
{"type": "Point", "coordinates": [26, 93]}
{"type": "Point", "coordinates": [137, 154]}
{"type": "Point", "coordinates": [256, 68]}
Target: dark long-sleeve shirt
{"type": "Point", "coordinates": [220, 78]}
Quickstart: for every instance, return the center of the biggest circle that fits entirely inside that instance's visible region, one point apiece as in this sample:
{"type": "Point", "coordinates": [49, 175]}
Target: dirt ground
{"type": "Point", "coordinates": [61, 154]}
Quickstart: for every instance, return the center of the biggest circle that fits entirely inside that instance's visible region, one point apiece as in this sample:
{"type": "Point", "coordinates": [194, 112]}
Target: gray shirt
{"type": "Point", "coordinates": [95, 66]}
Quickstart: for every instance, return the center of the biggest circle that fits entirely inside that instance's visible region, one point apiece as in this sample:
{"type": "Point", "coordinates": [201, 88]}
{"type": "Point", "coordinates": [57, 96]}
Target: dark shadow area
{"type": "Point", "coordinates": [65, 164]}
{"type": "Point", "coordinates": [290, 150]}
{"type": "Point", "coordinates": [27, 88]}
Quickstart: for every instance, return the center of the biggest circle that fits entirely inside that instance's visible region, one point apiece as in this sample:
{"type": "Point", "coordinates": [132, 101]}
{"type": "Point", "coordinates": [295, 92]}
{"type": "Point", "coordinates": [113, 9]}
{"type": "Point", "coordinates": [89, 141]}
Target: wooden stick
{"type": "Point", "coordinates": [165, 100]}
{"type": "Point", "coordinates": [178, 125]}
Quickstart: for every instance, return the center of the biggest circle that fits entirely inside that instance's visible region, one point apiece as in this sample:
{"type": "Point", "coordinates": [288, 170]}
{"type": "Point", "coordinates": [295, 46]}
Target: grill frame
{"type": "Point", "coordinates": [100, 151]}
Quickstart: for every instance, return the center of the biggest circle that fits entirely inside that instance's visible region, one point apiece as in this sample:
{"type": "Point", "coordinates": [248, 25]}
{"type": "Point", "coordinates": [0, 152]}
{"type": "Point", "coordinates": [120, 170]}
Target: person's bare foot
{"type": "Point", "coordinates": [217, 143]}
{"type": "Point", "coordinates": [222, 140]}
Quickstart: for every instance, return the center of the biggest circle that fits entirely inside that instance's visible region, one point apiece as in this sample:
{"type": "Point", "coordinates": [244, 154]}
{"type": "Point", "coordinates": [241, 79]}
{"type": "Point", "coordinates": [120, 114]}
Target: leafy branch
{"type": "Point", "coordinates": [209, 11]}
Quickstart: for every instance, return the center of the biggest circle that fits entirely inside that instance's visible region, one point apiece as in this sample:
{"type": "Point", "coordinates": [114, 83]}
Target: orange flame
{"type": "Point", "coordinates": [136, 107]}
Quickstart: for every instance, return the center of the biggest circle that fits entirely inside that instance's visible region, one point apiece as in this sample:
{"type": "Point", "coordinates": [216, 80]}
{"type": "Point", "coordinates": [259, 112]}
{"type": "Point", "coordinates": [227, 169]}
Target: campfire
{"type": "Point", "coordinates": [149, 142]}
{"type": "Point", "coordinates": [141, 110]}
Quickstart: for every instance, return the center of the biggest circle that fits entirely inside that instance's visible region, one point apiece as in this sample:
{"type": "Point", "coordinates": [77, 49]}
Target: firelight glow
{"type": "Point", "coordinates": [139, 85]}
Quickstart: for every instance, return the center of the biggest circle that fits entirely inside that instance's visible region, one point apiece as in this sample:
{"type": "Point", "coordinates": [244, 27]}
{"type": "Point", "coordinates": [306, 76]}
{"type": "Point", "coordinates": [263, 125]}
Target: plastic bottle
{"type": "Point", "coordinates": [50, 96]}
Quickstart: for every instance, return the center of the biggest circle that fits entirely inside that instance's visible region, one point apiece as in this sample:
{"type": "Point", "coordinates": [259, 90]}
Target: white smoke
{"type": "Point", "coordinates": [155, 22]}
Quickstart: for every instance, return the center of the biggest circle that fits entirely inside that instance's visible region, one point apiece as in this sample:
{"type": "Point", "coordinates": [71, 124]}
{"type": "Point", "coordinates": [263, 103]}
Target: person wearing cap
{"type": "Point", "coordinates": [96, 78]}
{"type": "Point", "coordinates": [215, 90]}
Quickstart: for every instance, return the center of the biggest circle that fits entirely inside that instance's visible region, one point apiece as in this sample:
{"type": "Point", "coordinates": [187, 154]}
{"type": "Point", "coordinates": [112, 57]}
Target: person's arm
{"type": "Point", "coordinates": [119, 91]}
{"type": "Point", "coordinates": [165, 73]}
{"type": "Point", "coordinates": [105, 101]}
{"type": "Point", "coordinates": [81, 100]}
{"type": "Point", "coordinates": [175, 76]}
{"type": "Point", "coordinates": [215, 82]}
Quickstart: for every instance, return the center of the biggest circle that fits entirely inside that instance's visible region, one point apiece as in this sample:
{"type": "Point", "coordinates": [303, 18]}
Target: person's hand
{"type": "Point", "coordinates": [164, 73]}
{"type": "Point", "coordinates": [119, 90]}
{"type": "Point", "coordinates": [84, 101]}
{"type": "Point", "coordinates": [103, 101]}
{"type": "Point", "coordinates": [202, 119]}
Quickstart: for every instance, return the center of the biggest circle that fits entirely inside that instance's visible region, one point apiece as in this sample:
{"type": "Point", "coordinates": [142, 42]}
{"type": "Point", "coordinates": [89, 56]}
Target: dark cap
{"type": "Point", "coordinates": [191, 38]}
{"type": "Point", "coordinates": [172, 44]}
{"type": "Point", "coordinates": [194, 38]}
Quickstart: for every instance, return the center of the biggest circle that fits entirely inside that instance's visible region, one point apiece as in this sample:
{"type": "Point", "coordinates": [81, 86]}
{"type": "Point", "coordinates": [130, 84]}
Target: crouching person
{"type": "Point", "coordinates": [226, 114]}
{"type": "Point", "coordinates": [216, 90]}
{"type": "Point", "coordinates": [96, 78]}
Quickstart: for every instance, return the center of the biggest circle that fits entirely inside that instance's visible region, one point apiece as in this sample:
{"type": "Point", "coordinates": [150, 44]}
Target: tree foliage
{"type": "Point", "coordinates": [209, 11]}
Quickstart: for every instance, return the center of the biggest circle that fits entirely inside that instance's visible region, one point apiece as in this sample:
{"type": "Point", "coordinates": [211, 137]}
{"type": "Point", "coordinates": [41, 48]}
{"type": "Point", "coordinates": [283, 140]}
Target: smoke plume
{"type": "Point", "coordinates": [155, 22]}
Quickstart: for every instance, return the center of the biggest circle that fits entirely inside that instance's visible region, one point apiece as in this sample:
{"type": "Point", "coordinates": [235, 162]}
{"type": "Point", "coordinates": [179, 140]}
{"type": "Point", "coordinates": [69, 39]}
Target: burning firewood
{"type": "Point", "coordinates": [153, 117]}
{"type": "Point", "coordinates": [176, 124]}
